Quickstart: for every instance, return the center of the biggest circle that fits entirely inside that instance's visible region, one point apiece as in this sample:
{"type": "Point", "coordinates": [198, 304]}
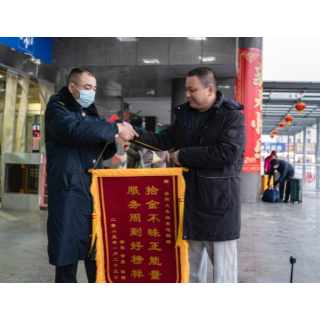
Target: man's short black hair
{"type": "Point", "coordinates": [274, 162]}
{"type": "Point", "coordinates": [76, 73]}
{"type": "Point", "coordinates": [206, 76]}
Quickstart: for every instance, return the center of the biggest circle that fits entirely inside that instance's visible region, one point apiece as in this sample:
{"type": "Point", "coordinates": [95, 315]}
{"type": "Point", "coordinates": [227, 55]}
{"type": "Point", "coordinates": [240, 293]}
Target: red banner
{"type": "Point", "coordinates": [249, 92]}
{"type": "Point", "coordinates": [139, 220]}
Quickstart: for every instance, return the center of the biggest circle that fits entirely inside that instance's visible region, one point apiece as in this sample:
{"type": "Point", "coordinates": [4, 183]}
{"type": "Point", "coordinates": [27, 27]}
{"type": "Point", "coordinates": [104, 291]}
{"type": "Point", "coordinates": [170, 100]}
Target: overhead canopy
{"type": "Point", "coordinates": [279, 99]}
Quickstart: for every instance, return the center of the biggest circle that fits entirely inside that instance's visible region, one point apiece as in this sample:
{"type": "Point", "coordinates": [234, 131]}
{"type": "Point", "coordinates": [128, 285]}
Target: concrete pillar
{"type": "Point", "coordinates": [317, 155]}
{"type": "Point", "coordinates": [178, 96]}
{"type": "Point", "coordinates": [304, 149]}
{"type": "Point", "coordinates": [249, 92]}
{"type": "Point", "coordinates": [294, 147]}
{"type": "Point", "coordinates": [288, 148]}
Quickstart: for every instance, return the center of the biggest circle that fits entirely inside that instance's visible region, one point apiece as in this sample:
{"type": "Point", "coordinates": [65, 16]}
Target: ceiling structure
{"type": "Point", "coordinates": [148, 88]}
{"type": "Point", "coordinates": [279, 99]}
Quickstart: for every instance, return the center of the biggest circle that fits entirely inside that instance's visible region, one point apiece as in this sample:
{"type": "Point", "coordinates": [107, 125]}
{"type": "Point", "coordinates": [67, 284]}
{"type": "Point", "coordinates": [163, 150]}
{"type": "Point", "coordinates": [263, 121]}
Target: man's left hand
{"type": "Point", "coordinates": [174, 156]}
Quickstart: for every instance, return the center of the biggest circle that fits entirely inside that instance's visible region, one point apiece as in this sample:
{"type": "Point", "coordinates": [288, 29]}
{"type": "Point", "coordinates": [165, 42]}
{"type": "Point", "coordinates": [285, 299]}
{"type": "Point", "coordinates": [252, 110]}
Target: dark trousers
{"type": "Point", "coordinates": [287, 180]}
{"type": "Point", "coordinates": [68, 273]}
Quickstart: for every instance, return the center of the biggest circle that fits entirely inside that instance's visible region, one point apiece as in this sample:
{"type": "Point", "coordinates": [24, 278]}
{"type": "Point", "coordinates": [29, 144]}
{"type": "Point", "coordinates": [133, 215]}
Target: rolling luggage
{"type": "Point", "coordinates": [271, 195]}
{"type": "Point", "coordinates": [264, 183]}
{"type": "Point", "coordinates": [296, 190]}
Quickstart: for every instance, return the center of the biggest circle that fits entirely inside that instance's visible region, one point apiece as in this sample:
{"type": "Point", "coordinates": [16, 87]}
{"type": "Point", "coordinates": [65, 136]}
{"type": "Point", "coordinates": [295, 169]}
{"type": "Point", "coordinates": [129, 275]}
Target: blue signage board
{"type": "Point", "coordinates": [269, 146]}
{"type": "Point", "coordinates": [38, 47]}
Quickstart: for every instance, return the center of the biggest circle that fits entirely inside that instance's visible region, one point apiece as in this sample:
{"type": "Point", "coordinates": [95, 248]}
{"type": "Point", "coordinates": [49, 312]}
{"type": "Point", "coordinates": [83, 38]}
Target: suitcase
{"type": "Point", "coordinates": [271, 195]}
{"type": "Point", "coordinates": [296, 190]}
{"type": "Point", "coordinates": [264, 183]}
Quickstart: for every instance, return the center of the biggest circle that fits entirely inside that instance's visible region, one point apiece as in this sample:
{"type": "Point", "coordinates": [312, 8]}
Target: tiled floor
{"type": "Point", "coordinates": [271, 234]}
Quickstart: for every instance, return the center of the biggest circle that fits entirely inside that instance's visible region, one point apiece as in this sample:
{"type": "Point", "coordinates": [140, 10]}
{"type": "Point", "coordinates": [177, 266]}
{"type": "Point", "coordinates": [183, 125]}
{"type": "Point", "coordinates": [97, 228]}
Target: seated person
{"type": "Point", "coordinates": [286, 171]}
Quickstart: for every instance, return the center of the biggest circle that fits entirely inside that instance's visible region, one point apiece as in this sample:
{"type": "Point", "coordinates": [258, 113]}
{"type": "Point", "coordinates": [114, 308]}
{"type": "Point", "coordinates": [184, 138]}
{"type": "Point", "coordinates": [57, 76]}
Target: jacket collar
{"type": "Point", "coordinates": [71, 104]}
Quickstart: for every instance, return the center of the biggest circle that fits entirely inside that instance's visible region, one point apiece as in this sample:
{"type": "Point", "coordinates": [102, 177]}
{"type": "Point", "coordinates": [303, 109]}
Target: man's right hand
{"type": "Point", "coordinates": [126, 131]}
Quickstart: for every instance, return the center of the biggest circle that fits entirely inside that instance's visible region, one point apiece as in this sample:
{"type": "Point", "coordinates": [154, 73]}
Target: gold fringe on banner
{"type": "Point", "coordinates": [182, 244]}
{"type": "Point", "coordinates": [96, 231]}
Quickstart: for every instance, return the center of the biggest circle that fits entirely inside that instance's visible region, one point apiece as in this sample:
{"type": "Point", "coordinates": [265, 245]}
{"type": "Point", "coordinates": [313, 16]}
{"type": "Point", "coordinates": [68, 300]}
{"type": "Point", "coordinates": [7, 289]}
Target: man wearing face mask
{"type": "Point", "coordinates": [75, 137]}
{"type": "Point", "coordinates": [286, 171]}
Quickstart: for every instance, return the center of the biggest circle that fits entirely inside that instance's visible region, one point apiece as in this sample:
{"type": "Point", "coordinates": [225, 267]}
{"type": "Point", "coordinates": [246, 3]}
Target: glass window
{"type": "Point", "coordinates": [22, 178]}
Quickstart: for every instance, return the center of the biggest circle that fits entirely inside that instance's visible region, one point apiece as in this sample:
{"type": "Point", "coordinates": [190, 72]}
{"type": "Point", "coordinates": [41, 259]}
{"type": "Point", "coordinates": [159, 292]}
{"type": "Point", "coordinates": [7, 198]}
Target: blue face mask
{"type": "Point", "coordinates": [86, 97]}
{"type": "Point", "coordinates": [275, 167]}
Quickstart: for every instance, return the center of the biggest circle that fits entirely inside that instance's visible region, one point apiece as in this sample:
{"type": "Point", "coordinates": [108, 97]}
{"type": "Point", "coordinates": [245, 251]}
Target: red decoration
{"type": "Point", "coordinates": [281, 125]}
{"type": "Point", "coordinates": [274, 131]}
{"type": "Point", "coordinates": [300, 106]}
{"type": "Point", "coordinates": [113, 118]}
{"type": "Point", "coordinates": [309, 177]}
{"type": "Point", "coordinates": [288, 118]}
{"type": "Point", "coordinates": [248, 92]}
{"type": "Point", "coordinates": [272, 136]}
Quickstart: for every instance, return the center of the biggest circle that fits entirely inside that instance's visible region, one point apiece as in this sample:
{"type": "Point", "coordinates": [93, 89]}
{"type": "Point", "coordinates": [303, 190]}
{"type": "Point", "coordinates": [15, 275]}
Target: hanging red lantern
{"type": "Point", "coordinates": [288, 118]}
{"type": "Point", "coordinates": [272, 136]}
{"type": "Point", "coordinates": [274, 131]}
{"type": "Point", "coordinates": [300, 106]}
{"type": "Point", "coordinates": [281, 125]}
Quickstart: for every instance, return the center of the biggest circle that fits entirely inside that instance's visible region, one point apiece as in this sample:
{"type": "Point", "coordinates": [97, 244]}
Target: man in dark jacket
{"type": "Point", "coordinates": [286, 171]}
{"type": "Point", "coordinates": [75, 137]}
{"type": "Point", "coordinates": [209, 138]}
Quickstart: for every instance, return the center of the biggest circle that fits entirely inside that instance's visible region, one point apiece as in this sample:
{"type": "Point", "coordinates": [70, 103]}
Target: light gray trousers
{"type": "Point", "coordinates": [223, 255]}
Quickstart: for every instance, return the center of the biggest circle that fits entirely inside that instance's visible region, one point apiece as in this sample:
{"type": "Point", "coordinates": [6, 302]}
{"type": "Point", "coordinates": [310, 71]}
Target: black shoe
{"type": "Point", "coordinates": [285, 201]}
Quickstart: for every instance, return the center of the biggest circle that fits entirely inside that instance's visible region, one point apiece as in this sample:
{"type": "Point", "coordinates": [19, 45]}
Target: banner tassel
{"type": "Point", "coordinates": [180, 227]}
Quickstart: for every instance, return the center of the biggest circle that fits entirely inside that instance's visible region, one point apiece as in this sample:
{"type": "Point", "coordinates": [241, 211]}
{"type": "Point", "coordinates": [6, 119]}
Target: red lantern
{"type": "Point", "coordinates": [274, 131]}
{"type": "Point", "coordinates": [272, 136]}
{"type": "Point", "coordinates": [288, 118]}
{"type": "Point", "coordinates": [281, 125]}
{"type": "Point", "coordinates": [300, 106]}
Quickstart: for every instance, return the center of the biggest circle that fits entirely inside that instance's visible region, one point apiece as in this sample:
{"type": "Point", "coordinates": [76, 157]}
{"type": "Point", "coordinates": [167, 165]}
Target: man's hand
{"type": "Point", "coordinates": [126, 131]}
{"type": "Point", "coordinates": [174, 156]}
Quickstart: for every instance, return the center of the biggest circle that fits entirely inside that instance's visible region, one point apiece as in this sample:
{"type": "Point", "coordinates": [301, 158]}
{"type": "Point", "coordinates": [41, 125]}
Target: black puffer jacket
{"type": "Point", "coordinates": [284, 169]}
{"type": "Point", "coordinates": [214, 158]}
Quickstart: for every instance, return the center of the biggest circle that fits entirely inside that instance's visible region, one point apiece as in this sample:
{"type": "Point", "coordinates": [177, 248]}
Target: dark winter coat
{"type": "Point", "coordinates": [284, 168]}
{"type": "Point", "coordinates": [214, 157]}
{"type": "Point", "coordinates": [75, 137]}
